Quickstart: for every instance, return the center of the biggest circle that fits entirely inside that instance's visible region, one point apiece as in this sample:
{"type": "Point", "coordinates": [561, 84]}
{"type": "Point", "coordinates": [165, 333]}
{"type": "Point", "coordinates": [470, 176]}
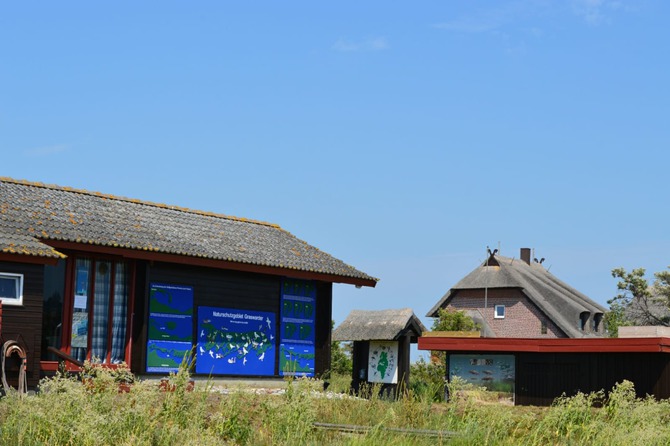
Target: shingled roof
{"type": "Point", "coordinates": [558, 300]}
{"type": "Point", "coordinates": [378, 325]}
{"type": "Point", "coordinates": [35, 215]}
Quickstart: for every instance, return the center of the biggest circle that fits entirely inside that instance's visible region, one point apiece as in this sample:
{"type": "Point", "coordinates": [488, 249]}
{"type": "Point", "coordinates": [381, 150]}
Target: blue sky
{"type": "Point", "coordinates": [402, 138]}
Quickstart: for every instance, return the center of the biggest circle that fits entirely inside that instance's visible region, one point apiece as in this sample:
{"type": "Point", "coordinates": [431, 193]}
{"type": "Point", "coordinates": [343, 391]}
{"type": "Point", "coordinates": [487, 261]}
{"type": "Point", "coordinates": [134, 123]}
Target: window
{"type": "Point", "coordinates": [99, 308]}
{"type": "Point", "coordinates": [543, 327]}
{"type": "Point", "coordinates": [597, 318]}
{"type": "Point", "coordinates": [499, 312]}
{"type": "Point", "coordinates": [583, 320]}
{"type": "Point", "coordinates": [11, 289]}
{"type": "Point", "coordinates": [52, 310]}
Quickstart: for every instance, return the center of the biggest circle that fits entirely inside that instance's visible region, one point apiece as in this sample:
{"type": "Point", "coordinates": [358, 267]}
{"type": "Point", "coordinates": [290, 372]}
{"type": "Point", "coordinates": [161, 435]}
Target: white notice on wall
{"type": "Point", "coordinates": [383, 362]}
{"type": "Point", "coordinates": [80, 301]}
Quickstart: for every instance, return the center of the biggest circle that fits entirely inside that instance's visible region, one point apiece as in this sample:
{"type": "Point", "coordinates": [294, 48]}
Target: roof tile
{"type": "Point", "coordinates": [67, 214]}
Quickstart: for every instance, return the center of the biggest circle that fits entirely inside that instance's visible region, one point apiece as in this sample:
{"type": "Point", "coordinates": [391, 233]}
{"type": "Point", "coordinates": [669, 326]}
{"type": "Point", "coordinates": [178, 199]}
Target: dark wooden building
{"type": "Point", "coordinates": [114, 279]}
{"type": "Point", "coordinates": [381, 346]}
{"type": "Point", "coordinates": [540, 370]}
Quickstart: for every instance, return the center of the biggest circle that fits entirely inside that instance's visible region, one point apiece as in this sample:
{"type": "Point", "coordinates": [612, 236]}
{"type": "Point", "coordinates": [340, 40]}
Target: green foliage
{"type": "Point", "coordinates": [340, 359]}
{"type": "Point", "coordinates": [637, 302]}
{"type": "Point", "coordinates": [340, 356]}
{"type": "Point", "coordinates": [66, 412]}
{"type": "Point", "coordinates": [450, 319]}
{"type": "Point", "coordinates": [427, 379]}
{"type": "Point", "coordinates": [615, 318]}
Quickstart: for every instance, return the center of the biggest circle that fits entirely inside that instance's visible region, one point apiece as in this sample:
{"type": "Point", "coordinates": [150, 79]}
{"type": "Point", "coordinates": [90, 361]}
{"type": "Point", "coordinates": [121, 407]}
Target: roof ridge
{"type": "Point", "coordinates": [137, 201]}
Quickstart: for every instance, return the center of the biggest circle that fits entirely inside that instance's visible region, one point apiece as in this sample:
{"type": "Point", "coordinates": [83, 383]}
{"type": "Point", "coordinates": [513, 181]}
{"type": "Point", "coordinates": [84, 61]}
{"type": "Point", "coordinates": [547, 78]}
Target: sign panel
{"type": "Point", "coordinates": [296, 359]}
{"type": "Point", "coordinates": [495, 372]}
{"type": "Point", "coordinates": [383, 362]}
{"type": "Point", "coordinates": [235, 342]}
{"type": "Point", "coordinates": [79, 330]}
{"type": "Point", "coordinates": [166, 356]}
{"type": "Point", "coordinates": [298, 328]}
{"type": "Point", "coordinates": [170, 334]}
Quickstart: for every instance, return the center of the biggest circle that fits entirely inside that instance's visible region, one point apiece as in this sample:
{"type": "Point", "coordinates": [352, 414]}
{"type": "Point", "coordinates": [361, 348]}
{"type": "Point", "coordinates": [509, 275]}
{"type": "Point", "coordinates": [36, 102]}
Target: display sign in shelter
{"type": "Point", "coordinates": [383, 362]}
{"type": "Point", "coordinates": [494, 371]}
{"type": "Point", "coordinates": [170, 337]}
{"type": "Point", "coordinates": [298, 328]}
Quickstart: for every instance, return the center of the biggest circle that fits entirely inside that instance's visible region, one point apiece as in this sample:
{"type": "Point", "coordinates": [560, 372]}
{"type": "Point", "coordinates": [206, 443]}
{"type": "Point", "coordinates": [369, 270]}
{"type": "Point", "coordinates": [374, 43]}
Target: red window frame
{"type": "Point", "coordinates": [68, 306]}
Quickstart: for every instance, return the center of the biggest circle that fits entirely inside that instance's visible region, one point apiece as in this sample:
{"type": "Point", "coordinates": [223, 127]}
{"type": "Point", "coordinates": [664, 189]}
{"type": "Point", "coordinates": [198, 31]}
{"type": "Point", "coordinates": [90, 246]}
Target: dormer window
{"type": "Point", "coordinates": [499, 312]}
{"type": "Point", "coordinates": [597, 318]}
{"type": "Point", "coordinates": [583, 320]}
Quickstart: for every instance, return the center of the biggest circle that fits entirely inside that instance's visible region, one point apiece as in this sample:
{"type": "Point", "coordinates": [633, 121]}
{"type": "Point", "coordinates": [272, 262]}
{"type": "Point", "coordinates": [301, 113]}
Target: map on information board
{"type": "Point", "coordinates": [383, 362]}
{"type": "Point", "coordinates": [296, 359]}
{"type": "Point", "coordinates": [298, 327]}
{"type": "Point", "coordinates": [166, 356]}
{"type": "Point", "coordinates": [170, 326]}
{"type": "Point", "coordinates": [235, 342]}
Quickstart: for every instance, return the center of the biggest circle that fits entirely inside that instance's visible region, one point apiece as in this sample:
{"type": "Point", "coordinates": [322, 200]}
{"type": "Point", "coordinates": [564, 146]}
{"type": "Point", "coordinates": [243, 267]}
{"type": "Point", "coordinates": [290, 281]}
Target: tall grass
{"type": "Point", "coordinates": [69, 412]}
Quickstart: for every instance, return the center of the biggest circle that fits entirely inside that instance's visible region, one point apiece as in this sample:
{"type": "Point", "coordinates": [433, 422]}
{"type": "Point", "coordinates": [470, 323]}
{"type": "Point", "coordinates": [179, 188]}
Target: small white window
{"type": "Point", "coordinates": [499, 312]}
{"type": "Point", "coordinates": [11, 289]}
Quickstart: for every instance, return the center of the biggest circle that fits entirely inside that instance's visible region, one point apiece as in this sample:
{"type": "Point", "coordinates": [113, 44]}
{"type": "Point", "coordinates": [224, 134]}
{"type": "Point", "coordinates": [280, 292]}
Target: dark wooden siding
{"type": "Point", "coordinates": [139, 315]}
{"type": "Point", "coordinates": [542, 377]}
{"type": "Point", "coordinates": [24, 323]}
{"type": "Point", "coordinates": [324, 316]}
{"type": "Point", "coordinates": [359, 357]}
{"type": "Point", "coordinates": [228, 289]}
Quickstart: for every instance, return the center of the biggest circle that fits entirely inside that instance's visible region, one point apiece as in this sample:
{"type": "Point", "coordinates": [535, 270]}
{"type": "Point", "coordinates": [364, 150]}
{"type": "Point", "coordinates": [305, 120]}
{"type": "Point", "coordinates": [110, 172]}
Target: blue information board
{"type": "Point", "coordinates": [298, 328]}
{"type": "Point", "coordinates": [166, 356]}
{"type": "Point", "coordinates": [235, 342]}
{"type": "Point", "coordinates": [170, 326]}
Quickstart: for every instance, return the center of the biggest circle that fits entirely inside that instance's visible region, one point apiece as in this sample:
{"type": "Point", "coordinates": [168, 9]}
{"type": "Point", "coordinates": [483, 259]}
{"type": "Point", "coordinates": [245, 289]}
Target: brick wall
{"type": "Point", "coordinates": [523, 319]}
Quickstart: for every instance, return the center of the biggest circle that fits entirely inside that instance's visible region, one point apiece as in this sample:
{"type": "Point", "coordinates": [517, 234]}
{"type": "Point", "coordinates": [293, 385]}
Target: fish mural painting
{"type": "Point", "coordinates": [495, 372]}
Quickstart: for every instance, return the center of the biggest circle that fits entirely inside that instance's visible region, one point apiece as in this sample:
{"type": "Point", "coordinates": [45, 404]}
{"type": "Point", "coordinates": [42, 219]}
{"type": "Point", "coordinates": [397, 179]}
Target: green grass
{"type": "Point", "coordinates": [66, 412]}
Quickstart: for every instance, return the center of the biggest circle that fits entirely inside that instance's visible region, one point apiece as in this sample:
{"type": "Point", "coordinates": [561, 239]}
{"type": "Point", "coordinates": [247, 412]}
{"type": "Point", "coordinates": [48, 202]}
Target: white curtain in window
{"type": "Point", "coordinates": [119, 317]}
{"type": "Point", "coordinates": [99, 334]}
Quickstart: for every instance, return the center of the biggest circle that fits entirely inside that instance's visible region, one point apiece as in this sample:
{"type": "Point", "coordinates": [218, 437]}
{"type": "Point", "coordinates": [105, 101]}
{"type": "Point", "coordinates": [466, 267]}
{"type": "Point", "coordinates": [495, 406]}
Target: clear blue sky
{"type": "Point", "coordinates": [401, 137]}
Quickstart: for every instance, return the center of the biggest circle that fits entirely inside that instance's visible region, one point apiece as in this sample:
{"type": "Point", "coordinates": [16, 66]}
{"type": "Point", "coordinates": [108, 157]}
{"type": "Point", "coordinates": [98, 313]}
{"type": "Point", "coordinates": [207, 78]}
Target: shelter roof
{"type": "Point", "coordinates": [34, 216]}
{"type": "Point", "coordinates": [378, 325]}
{"type": "Point", "coordinates": [558, 300]}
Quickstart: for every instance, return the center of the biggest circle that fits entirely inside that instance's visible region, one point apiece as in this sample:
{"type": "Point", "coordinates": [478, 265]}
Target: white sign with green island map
{"type": "Point", "coordinates": [383, 362]}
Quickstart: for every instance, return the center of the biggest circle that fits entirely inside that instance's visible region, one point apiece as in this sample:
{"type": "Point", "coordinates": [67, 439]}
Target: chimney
{"type": "Point", "coordinates": [525, 255]}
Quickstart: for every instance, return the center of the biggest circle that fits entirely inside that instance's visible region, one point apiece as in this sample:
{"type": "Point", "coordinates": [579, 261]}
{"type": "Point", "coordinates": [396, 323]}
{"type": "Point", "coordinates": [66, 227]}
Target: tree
{"type": "Point", "coordinates": [638, 303]}
{"type": "Point", "coordinates": [449, 319]}
{"type": "Point", "coordinates": [340, 357]}
{"type": "Point", "coordinates": [427, 378]}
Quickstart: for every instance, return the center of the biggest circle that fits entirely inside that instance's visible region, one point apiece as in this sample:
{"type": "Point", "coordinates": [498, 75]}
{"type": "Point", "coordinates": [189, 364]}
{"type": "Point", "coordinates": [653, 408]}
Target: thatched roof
{"type": "Point", "coordinates": [378, 325]}
{"type": "Point", "coordinates": [558, 300]}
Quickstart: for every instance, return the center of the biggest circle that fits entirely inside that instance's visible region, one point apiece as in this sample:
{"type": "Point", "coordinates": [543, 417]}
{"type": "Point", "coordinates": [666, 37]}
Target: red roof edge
{"type": "Point", "coordinates": [553, 345]}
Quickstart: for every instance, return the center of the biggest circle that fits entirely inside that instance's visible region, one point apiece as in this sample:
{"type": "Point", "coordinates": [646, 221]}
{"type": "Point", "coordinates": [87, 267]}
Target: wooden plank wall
{"type": "Point", "coordinates": [25, 322]}
{"type": "Point", "coordinates": [229, 289]}
{"type": "Point", "coordinates": [542, 377]}
{"type": "Point", "coordinates": [324, 316]}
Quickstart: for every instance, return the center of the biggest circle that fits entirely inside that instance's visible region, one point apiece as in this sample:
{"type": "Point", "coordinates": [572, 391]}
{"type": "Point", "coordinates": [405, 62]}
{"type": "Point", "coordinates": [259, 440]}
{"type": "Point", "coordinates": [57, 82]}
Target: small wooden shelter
{"type": "Point", "coordinates": [381, 350]}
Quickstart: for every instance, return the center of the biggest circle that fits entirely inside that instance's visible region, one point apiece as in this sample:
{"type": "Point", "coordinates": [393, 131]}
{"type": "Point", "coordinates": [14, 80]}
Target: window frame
{"type": "Point", "coordinates": [68, 305]}
{"type": "Point", "coordinates": [18, 300]}
{"type": "Point", "coordinates": [496, 315]}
